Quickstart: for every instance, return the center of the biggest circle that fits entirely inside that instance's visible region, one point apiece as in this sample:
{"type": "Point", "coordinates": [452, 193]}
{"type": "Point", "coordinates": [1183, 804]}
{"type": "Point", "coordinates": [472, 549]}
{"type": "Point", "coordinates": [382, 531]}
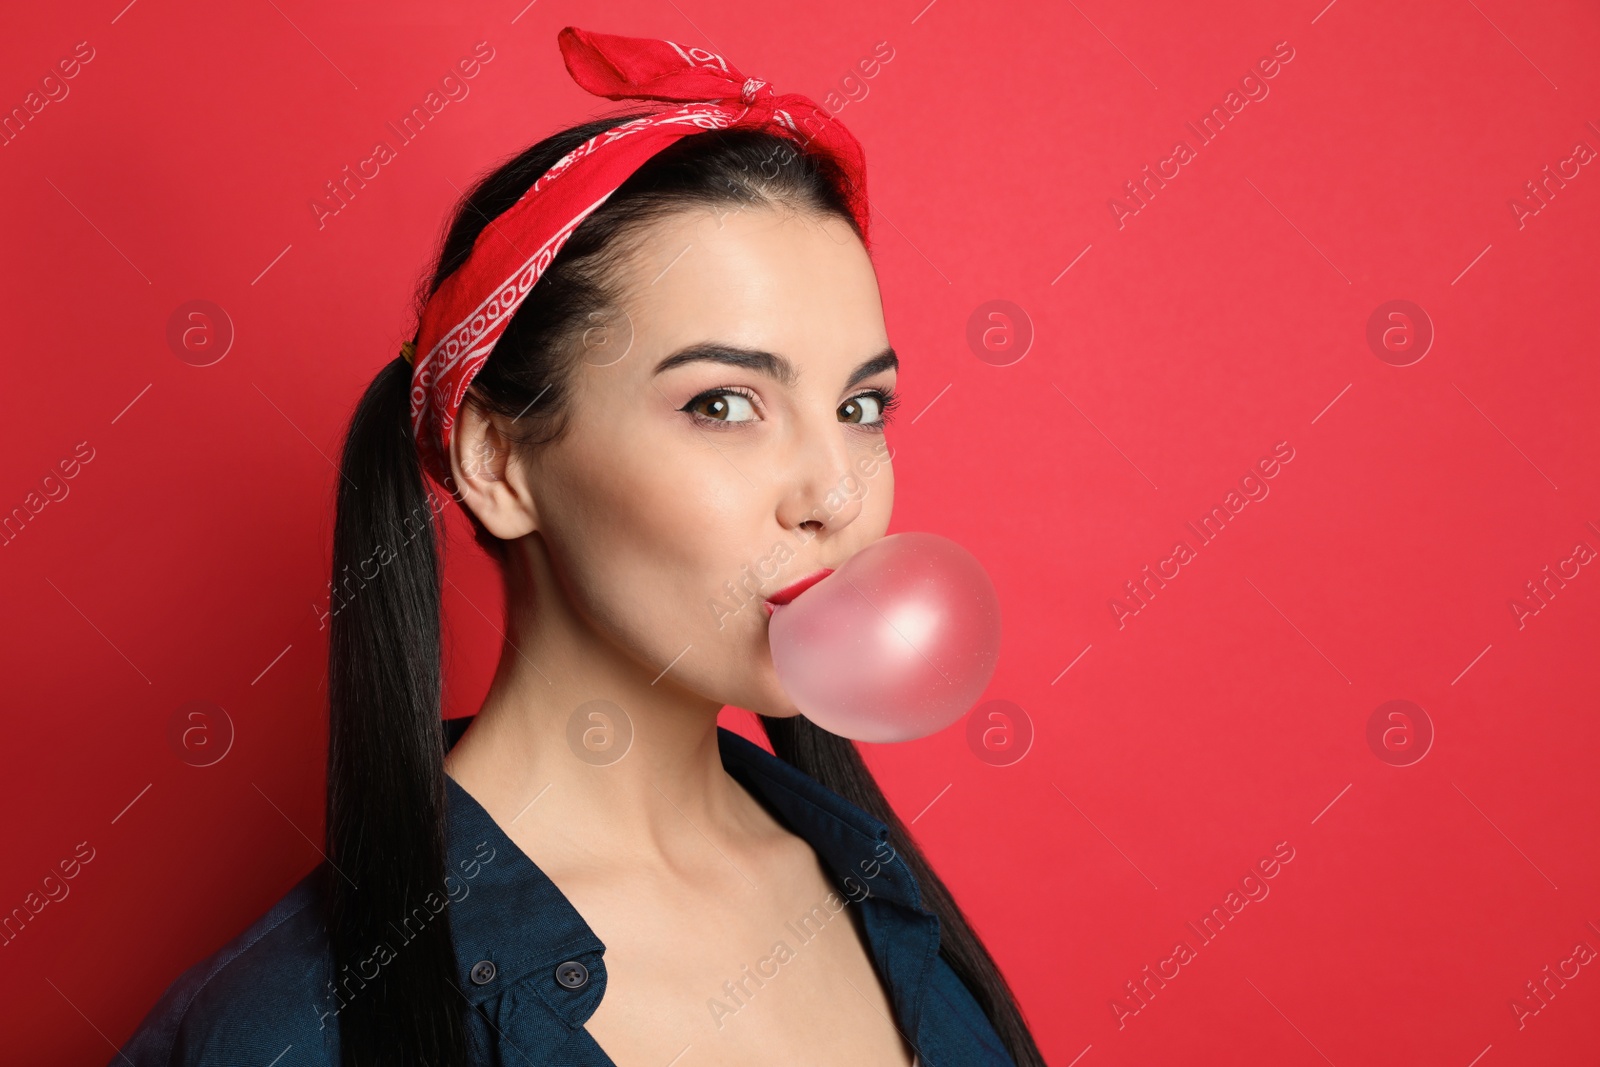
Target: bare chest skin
{"type": "Point", "coordinates": [752, 959]}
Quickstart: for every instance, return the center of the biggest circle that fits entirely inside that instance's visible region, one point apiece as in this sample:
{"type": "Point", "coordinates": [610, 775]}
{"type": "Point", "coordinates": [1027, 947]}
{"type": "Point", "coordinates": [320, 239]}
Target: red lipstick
{"type": "Point", "coordinates": [789, 592]}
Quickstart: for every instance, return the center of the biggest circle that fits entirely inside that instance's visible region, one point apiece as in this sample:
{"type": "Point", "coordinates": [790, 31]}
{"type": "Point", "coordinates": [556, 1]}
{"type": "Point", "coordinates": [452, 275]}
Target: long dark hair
{"type": "Point", "coordinates": [386, 784]}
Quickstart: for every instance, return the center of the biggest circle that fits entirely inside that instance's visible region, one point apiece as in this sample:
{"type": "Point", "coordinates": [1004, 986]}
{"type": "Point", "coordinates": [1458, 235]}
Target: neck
{"type": "Point", "coordinates": [578, 749]}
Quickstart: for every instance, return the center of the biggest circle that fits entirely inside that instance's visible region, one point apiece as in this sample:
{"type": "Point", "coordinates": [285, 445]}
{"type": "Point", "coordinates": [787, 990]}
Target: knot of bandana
{"type": "Point", "coordinates": [701, 92]}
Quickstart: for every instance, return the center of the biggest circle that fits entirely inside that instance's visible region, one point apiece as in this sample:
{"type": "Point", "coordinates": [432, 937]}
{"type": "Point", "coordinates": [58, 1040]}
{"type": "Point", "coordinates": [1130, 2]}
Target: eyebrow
{"type": "Point", "coordinates": [772, 366]}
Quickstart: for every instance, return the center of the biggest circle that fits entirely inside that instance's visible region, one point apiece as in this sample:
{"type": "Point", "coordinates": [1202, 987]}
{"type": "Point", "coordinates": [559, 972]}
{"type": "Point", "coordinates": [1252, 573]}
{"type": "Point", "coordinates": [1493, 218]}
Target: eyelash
{"type": "Point", "coordinates": [887, 402]}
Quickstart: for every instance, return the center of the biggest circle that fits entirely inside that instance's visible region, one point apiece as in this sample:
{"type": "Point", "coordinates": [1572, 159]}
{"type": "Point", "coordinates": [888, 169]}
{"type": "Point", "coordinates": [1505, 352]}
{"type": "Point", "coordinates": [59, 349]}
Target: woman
{"type": "Point", "coordinates": [676, 428]}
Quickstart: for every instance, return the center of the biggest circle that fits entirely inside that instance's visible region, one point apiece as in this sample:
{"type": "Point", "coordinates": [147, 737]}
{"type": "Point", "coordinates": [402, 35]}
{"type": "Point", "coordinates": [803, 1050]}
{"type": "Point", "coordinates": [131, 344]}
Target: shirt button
{"type": "Point", "coordinates": [482, 972]}
{"type": "Point", "coordinates": [572, 974]}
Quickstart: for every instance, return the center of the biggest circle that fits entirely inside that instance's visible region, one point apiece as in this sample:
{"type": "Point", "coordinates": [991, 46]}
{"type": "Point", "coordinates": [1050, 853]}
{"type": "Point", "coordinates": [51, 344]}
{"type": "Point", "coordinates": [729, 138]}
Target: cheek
{"type": "Point", "coordinates": [878, 503]}
{"type": "Point", "coordinates": [646, 549]}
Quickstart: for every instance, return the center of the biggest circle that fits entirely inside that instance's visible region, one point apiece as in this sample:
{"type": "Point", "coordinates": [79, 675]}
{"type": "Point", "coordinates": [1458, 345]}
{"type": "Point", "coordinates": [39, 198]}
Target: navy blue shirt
{"type": "Point", "coordinates": [530, 965]}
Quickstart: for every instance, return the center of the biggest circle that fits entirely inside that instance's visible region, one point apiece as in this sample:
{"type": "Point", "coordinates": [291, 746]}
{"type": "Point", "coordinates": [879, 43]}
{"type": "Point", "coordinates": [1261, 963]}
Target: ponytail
{"type": "Point", "coordinates": [385, 797]}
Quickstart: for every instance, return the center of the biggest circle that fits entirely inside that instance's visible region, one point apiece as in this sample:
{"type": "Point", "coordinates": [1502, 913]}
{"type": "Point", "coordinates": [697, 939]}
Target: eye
{"type": "Point", "coordinates": [871, 408]}
{"type": "Point", "coordinates": [722, 405]}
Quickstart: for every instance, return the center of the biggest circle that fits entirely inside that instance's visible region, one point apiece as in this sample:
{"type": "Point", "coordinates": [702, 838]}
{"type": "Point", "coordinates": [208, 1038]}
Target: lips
{"type": "Point", "coordinates": [789, 592]}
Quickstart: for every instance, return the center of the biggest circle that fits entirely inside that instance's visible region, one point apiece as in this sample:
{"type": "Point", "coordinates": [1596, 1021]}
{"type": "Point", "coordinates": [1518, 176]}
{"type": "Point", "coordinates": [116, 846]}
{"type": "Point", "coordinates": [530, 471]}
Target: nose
{"type": "Point", "coordinates": [823, 490]}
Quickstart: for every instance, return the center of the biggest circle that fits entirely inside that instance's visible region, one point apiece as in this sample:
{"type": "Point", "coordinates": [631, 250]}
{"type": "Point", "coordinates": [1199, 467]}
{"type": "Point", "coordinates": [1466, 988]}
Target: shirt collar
{"type": "Point", "coordinates": [853, 844]}
{"type": "Point", "coordinates": [511, 914]}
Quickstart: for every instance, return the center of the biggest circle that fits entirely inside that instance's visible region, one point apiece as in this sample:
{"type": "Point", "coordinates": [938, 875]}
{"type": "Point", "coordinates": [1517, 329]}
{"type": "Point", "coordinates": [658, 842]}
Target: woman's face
{"type": "Point", "coordinates": [726, 440]}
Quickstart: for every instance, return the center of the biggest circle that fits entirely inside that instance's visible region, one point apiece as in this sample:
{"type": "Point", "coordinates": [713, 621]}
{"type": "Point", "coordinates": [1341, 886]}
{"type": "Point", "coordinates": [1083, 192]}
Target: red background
{"type": "Point", "coordinates": [1229, 314]}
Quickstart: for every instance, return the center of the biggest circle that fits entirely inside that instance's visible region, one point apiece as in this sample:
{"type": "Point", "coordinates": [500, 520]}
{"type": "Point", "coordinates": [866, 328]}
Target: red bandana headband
{"type": "Point", "coordinates": [462, 320]}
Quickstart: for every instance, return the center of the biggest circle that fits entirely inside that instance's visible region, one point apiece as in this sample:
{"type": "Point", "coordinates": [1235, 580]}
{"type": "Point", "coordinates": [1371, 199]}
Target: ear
{"type": "Point", "coordinates": [490, 482]}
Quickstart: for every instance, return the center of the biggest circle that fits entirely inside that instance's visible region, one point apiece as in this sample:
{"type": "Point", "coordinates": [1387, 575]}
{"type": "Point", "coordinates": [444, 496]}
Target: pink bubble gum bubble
{"type": "Point", "coordinates": [896, 644]}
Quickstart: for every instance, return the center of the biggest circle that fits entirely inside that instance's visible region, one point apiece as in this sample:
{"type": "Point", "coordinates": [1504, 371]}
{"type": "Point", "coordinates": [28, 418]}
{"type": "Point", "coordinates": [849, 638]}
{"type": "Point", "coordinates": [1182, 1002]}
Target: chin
{"type": "Point", "coordinates": [764, 696]}
{"type": "Point", "coordinates": [788, 711]}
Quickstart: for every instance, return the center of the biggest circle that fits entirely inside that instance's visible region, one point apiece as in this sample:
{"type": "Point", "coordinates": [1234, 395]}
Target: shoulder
{"type": "Point", "coordinates": [252, 1000]}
